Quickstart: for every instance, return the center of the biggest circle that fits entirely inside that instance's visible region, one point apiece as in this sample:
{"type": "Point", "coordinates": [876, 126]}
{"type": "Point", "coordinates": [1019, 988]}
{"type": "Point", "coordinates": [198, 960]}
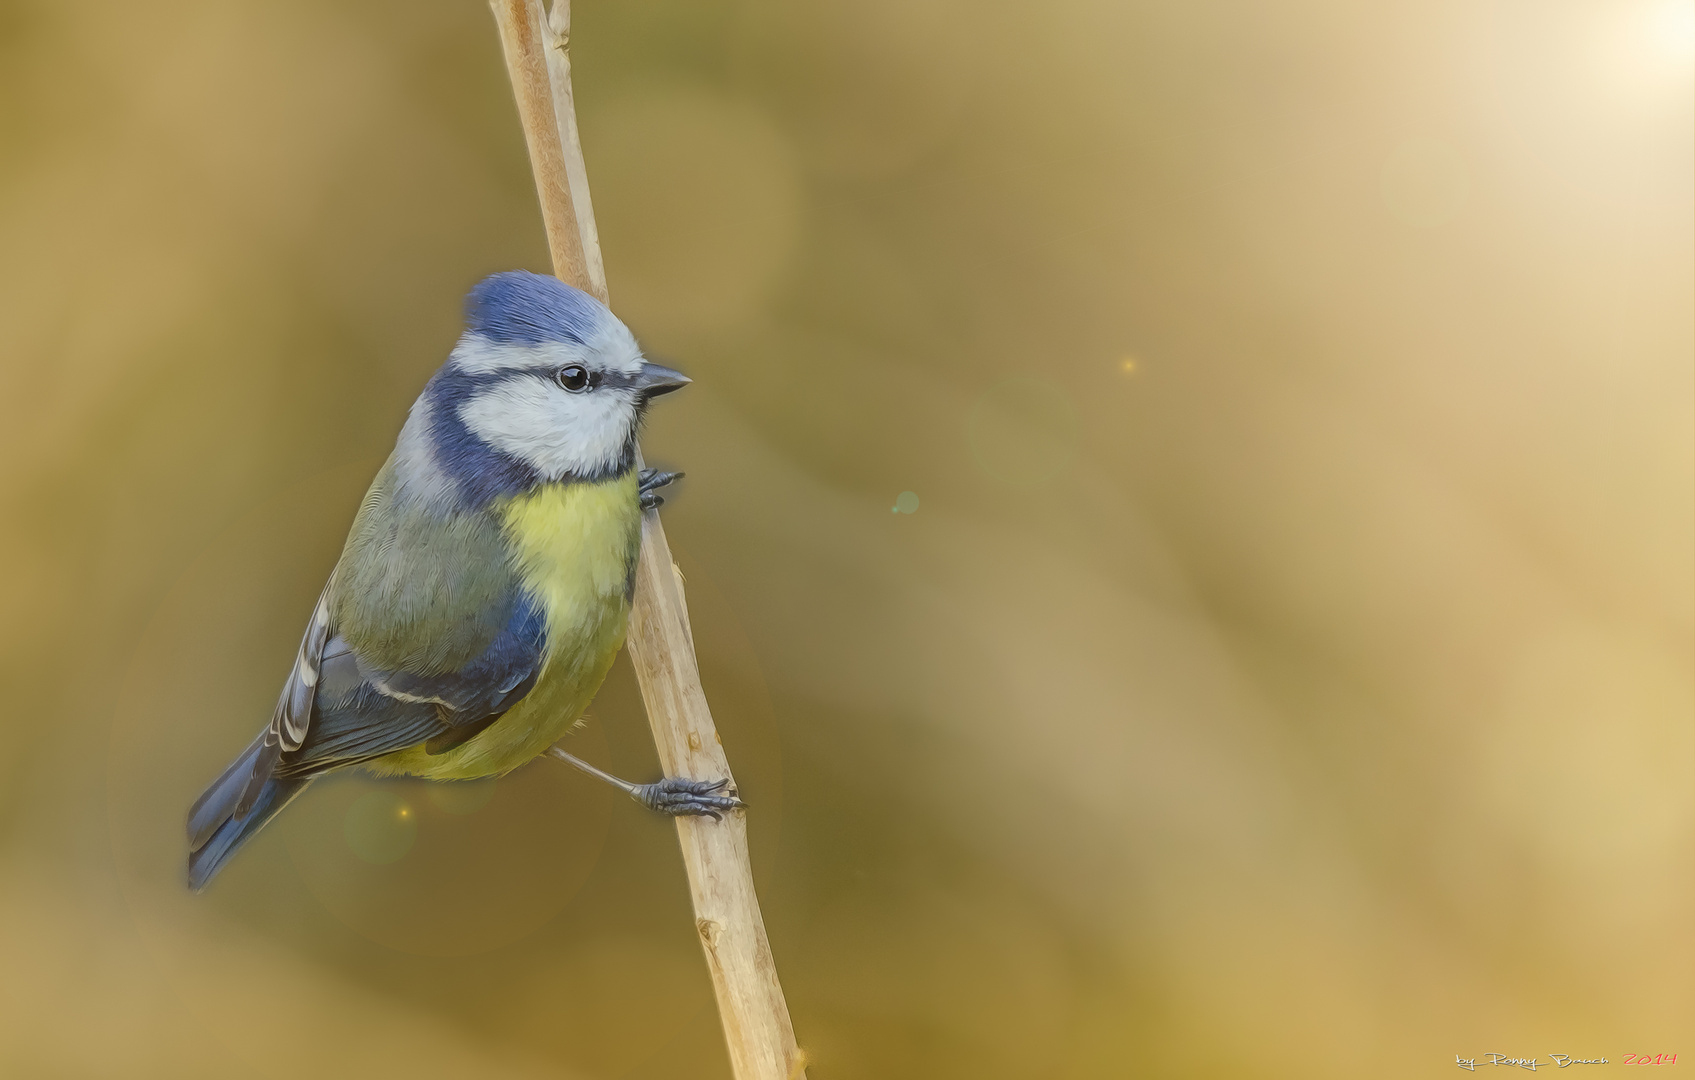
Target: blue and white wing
{"type": "Point", "coordinates": [336, 710]}
{"type": "Point", "coordinates": [364, 711]}
{"type": "Point", "coordinates": [292, 718]}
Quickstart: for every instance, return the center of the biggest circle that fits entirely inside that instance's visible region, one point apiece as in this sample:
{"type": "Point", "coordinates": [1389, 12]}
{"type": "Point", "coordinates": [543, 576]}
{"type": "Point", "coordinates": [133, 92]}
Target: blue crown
{"type": "Point", "coordinates": [521, 308]}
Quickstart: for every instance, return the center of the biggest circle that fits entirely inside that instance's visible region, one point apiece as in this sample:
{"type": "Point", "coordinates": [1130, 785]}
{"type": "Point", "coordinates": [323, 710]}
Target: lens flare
{"type": "Point", "coordinates": [380, 828]}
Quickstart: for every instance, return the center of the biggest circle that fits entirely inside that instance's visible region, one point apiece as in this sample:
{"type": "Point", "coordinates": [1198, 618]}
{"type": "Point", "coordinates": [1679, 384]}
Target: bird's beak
{"type": "Point", "coordinates": [655, 379]}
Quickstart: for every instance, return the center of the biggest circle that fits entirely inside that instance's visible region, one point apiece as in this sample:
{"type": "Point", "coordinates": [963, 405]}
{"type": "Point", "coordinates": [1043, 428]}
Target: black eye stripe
{"type": "Point", "coordinates": [612, 380]}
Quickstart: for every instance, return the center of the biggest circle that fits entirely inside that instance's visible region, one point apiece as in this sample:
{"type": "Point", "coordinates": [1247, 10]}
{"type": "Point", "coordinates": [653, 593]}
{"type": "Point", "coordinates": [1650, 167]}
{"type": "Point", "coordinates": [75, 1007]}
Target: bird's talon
{"type": "Point", "coordinates": [682, 797]}
{"type": "Point", "coordinates": [650, 480]}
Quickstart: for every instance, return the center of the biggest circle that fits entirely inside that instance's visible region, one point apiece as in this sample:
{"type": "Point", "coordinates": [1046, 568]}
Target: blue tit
{"type": "Point", "coordinates": [485, 585]}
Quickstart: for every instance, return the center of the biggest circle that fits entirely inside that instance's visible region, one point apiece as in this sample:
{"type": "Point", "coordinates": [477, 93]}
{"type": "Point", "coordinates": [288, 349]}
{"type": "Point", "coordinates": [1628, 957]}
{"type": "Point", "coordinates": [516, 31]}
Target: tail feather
{"type": "Point", "coordinates": [228, 837]}
{"type": "Point", "coordinates": [215, 829]}
{"type": "Point", "coordinates": [217, 802]}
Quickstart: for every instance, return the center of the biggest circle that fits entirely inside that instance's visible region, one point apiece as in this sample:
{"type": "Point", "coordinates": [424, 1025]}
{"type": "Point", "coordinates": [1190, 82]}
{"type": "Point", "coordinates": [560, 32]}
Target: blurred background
{"type": "Point", "coordinates": [1189, 529]}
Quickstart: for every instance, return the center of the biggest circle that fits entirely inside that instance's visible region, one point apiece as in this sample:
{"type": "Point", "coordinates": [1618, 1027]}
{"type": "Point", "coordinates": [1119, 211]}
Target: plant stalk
{"type": "Point", "coordinates": [756, 1020]}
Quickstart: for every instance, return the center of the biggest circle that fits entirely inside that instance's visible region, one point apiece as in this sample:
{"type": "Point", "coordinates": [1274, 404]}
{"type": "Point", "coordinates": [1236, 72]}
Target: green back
{"type": "Point", "coordinates": [418, 588]}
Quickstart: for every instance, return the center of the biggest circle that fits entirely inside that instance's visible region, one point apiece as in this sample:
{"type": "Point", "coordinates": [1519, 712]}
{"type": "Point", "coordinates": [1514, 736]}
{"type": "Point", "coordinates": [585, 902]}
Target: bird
{"type": "Point", "coordinates": [484, 588]}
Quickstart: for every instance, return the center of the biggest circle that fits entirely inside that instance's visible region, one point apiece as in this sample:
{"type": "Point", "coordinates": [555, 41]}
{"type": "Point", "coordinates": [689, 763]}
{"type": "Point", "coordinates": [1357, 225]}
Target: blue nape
{"type": "Point", "coordinates": [521, 308]}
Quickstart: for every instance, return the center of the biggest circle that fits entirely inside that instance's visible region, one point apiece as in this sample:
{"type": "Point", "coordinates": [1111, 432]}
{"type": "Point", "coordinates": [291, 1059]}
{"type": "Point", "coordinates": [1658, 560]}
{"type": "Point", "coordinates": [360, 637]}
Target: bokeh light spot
{"type": "Point", "coordinates": [1128, 365]}
{"type": "Point", "coordinates": [906, 503]}
{"type": "Point", "coordinates": [380, 827]}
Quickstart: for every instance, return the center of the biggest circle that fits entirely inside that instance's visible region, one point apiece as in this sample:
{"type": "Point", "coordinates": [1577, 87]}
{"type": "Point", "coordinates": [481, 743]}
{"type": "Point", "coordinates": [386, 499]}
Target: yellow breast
{"type": "Point", "coordinates": [574, 546]}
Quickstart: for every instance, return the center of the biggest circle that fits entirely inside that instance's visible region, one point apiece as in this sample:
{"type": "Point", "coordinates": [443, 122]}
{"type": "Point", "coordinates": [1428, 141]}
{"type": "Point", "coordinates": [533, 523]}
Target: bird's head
{"type": "Point", "coordinates": [545, 384]}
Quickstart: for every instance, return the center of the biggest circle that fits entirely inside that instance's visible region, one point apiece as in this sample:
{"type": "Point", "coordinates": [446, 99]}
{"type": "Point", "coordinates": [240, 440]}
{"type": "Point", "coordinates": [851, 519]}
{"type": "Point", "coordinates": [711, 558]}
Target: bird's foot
{"type": "Point", "coordinates": [681, 797]}
{"type": "Point", "coordinates": [648, 483]}
{"type": "Point", "coordinates": [674, 795]}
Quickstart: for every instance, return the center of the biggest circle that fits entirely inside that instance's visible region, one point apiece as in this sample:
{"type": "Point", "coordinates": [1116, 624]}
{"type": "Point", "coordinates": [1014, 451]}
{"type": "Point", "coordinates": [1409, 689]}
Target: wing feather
{"type": "Point", "coordinates": [293, 715]}
{"type": "Point", "coordinates": [423, 630]}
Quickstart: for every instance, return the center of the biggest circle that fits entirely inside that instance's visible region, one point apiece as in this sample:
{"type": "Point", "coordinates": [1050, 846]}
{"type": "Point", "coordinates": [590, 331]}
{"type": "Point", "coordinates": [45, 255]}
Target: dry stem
{"type": "Point", "coordinates": [732, 933]}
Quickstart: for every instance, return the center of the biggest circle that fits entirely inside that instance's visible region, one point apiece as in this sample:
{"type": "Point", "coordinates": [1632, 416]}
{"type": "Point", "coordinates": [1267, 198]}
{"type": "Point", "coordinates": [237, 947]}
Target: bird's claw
{"type": "Point", "coordinates": [650, 479]}
{"type": "Point", "coordinates": [681, 797]}
{"type": "Point", "coordinates": [648, 483]}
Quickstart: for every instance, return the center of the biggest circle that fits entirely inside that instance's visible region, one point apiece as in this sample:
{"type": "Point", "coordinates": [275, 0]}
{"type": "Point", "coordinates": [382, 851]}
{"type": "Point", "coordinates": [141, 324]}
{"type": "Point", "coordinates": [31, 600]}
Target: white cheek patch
{"type": "Point", "coordinates": [555, 432]}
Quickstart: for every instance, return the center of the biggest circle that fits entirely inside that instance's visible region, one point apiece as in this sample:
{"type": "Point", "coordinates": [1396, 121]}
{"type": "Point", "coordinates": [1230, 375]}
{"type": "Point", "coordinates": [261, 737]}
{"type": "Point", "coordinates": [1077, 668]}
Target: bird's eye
{"type": "Point", "coordinates": [573, 377]}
